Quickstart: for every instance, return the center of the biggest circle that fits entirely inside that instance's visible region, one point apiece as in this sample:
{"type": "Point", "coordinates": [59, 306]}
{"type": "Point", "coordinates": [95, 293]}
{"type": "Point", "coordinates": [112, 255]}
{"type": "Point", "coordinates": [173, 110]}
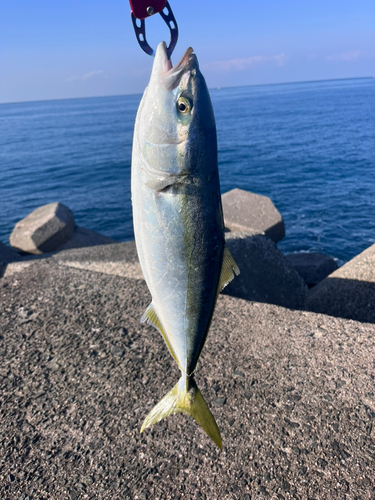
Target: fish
{"type": "Point", "coordinates": [178, 223]}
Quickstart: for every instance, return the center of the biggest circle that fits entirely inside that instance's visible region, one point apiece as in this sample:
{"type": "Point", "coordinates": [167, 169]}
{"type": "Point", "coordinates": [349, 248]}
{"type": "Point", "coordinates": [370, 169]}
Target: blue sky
{"type": "Point", "coordinates": [81, 48]}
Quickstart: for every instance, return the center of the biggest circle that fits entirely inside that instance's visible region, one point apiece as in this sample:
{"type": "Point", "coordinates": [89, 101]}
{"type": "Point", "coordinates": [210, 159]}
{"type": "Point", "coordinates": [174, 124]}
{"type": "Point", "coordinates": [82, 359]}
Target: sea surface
{"type": "Point", "coordinates": [310, 147]}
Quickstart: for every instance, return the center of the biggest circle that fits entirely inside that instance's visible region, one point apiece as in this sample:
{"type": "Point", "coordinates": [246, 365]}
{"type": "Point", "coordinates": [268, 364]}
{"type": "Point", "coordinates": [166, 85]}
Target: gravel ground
{"type": "Point", "coordinates": [292, 393]}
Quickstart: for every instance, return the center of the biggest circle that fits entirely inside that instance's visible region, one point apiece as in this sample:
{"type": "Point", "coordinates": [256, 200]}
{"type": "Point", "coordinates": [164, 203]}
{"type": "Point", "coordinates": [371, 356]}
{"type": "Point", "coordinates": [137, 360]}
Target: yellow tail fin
{"type": "Point", "coordinates": [185, 397]}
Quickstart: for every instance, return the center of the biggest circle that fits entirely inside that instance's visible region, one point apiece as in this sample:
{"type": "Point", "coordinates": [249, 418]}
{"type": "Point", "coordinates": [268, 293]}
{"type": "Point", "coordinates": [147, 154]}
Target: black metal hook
{"type": "Point", "coordinates": [170, 21]}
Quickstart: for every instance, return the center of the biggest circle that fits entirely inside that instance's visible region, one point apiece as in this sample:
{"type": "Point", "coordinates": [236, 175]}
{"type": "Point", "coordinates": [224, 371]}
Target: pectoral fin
{"type": "Point", "coordinates": [229, 269]}
{"type": "Point", "coordinates": [150, 317]}
{"type": "Point", "coordinates": [159, 184]}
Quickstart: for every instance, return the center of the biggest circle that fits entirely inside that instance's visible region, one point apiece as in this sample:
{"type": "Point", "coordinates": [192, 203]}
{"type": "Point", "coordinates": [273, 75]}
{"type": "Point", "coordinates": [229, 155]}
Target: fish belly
{"type": "Point", "coordinates": [180, 243]}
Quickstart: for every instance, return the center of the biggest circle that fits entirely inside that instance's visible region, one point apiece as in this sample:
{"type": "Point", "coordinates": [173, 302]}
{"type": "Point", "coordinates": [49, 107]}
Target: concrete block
{"type": "Point", "coordinates": [312, 267]}
{"type": "Point", "coordinates": [245, 211]}
{"type": "Point", "coordinates": [44, 230]}
{"type": "Point", "coordinates": [349, 292]}
{"type": "Point", "coordinates": [7, 255]}
{"type": "Point", "coordinates": [266, 275]}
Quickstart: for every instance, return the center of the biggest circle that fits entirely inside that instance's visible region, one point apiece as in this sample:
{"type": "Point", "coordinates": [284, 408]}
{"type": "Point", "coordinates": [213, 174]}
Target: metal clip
{"type": "Point", "coordinates": [170, 21]}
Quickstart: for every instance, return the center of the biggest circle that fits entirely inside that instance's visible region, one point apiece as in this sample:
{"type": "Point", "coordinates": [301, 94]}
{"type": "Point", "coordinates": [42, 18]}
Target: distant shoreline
{"type": "Point", "coordinates": [211, 88]}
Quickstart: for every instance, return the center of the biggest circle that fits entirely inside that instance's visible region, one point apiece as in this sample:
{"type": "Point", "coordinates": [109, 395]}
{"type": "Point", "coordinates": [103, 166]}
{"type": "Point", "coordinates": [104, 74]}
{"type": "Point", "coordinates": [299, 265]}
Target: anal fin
{"type": "Point", "coordinates": [150, 317]}
{"type": "Point", "coordinates": [229, 269]}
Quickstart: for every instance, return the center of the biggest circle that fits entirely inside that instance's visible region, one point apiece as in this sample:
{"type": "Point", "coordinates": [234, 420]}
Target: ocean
{"type": "Point", "coordinates": [308, 146]}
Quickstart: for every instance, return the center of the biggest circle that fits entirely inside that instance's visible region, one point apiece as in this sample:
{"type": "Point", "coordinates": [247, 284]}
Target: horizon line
{"type": "Point", "coordinates": [211, 88]}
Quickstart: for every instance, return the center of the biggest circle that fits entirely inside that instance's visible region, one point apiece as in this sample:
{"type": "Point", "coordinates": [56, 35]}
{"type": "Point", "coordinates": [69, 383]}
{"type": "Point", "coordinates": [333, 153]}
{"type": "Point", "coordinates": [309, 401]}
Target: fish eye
{"type": "Point", "coordinates": [183, 105]}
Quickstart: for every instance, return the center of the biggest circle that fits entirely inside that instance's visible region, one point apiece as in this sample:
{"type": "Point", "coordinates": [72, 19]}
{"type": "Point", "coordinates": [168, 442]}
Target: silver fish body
{"type": "Point", "coordinates": [178, 222]}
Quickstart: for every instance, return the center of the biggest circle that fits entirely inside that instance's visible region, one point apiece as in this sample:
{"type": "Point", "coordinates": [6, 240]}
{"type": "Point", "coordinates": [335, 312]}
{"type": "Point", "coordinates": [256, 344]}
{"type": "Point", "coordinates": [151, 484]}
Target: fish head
{"type": "Point", "coordinates": [178, 124]}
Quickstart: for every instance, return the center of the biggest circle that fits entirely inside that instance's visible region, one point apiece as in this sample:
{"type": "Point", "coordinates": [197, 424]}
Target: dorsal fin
{"type": "Point", "coordinates": [151, 317]}
{"type": "Point", "coordinates": [229, 269]}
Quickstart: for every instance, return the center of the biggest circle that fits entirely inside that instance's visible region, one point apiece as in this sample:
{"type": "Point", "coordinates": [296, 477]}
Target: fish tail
{"type": "Point", "coordinates": [185, 397]}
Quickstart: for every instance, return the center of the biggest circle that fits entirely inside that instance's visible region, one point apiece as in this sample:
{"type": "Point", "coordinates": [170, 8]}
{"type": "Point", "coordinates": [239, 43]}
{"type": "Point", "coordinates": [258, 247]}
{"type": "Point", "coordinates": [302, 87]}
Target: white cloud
{"type": "Point", "coordinates": [242, 64]}
{"type": "Point", "coordinates": [345, 56]}
{"type": "Point", "coordinates": [86, 76]}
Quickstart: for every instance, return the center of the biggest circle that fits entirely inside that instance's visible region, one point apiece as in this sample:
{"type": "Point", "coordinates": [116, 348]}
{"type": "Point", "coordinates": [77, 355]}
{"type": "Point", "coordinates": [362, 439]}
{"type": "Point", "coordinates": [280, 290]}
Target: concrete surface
{"type": "Point", "coordinates": [119, 259]}
{"type": "Point", "coordinates": [312, 267]}
{"type": "Point", "coordinates": [292, 393]}
{"type": "Point", "coordinates": [348, 292]}
{"type": "Point", "coordinates": [265, 275]}
{"type": "Point", "coordinates": [246, 211]}
{"type": "Point", "coordinates": [44, 230]}
{"type": "Point", "coordinates": [82, 237]}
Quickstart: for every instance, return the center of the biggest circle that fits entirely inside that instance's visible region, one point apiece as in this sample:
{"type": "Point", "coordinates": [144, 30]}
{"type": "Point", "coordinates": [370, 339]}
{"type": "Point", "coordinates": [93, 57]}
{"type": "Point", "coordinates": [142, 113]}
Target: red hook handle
{"type": "Point", "coordinates": [146, 8]}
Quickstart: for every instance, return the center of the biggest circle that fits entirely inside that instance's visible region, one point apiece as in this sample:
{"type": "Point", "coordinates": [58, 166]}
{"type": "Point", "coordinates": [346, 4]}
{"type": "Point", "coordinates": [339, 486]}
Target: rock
{"type": "Point", "coordinates": [44, 230]}
{"type": "Point", "coordinates": [219, 401]}
{"type": "Point", "coordinates": [117, 351]}
{"type": "Point", "coordinates": [313, 267]}
{"type": "Point", "coordinates": [245, 211]}
{"type": "Point", "coordinates": [85, 238]}
{"type": "Point", "coordinates": [266, 275]}
{"type": "Point", "coordinates": [349, 292]}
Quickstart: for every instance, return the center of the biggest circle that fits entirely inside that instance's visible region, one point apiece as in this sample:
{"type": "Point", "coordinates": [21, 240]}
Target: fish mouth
{"type": "Point", "coordinates": [171, 75]}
